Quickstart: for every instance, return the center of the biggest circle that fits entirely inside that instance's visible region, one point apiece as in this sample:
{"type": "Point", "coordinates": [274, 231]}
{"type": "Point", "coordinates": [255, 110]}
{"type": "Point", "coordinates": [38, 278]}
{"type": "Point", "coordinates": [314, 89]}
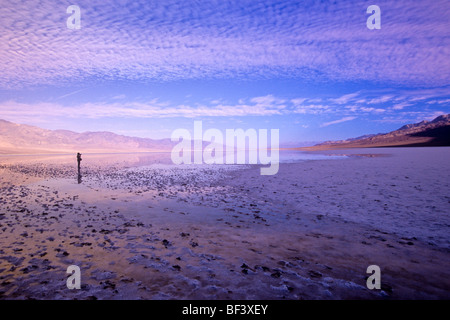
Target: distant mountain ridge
{"type": "Point", "coordinates": [26, 139]}
{"type": "Point", "coordinates": [424, 133]}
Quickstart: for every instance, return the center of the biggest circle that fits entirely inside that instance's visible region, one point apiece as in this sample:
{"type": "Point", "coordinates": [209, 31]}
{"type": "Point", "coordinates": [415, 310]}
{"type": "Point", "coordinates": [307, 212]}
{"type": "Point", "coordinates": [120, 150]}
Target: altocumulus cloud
{"type": "Point", "coordinates": [166, 40]}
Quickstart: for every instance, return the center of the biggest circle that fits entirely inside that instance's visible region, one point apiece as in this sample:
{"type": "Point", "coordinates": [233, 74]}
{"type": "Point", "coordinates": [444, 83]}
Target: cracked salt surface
{"type": "Point", "coordinates": [156, 231]}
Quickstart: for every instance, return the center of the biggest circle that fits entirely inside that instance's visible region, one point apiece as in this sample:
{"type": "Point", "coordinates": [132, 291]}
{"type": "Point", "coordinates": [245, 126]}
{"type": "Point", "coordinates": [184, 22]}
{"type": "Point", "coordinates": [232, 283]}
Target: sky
{"type": "Point", "coordinates": [312, 69]}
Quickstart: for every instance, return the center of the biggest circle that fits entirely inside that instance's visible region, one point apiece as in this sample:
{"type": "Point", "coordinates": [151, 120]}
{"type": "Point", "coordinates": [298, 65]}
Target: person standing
{"type": "Point", "coordinates": [79, 166]}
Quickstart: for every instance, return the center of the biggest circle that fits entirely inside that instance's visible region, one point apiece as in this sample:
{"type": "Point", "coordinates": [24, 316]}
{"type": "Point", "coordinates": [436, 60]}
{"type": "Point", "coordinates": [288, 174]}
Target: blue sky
{"type": "Point", "coordinates": [145, 68]}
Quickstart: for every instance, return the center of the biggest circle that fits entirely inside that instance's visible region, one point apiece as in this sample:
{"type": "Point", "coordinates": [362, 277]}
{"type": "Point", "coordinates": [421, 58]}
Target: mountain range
{"type": "Point", "coordinates": [26, 139]}
{"type": "Point", "coordinates": [422, 134]}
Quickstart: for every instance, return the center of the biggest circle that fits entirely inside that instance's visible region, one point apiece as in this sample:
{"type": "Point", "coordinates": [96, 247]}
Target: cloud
{"type": "Point", "coordinates": [401, 106]}
{"type": "Point", "coordinates": [359, 109]}
{"type": "Point", "coordinates": [118, 106]}
{"type": "Point", "coordinates": [312, 109]}
{"type": "Point", "coordinates": [16, 111]}
{"type": "Point", "coordinates": [174, 39]}
{"type": "Point", "coordinates": [434, 115]}
{"type": "Point", "coordinates": [444, 101]}
{"type": "Point", "coordinates": [298, 101]}
{"type": "Point", "coordinates": [326, 124]}
{"type": "Point", "coordinates": [268, 100]}
{"type": "Point", "coordinates": [344, 99]}
{"type": "Point", "coordinates": [379, 100]}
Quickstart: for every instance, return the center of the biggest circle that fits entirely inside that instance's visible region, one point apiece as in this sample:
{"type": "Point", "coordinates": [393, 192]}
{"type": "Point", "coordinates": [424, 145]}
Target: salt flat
{"type": "Point", "coordinates": [150, 230]}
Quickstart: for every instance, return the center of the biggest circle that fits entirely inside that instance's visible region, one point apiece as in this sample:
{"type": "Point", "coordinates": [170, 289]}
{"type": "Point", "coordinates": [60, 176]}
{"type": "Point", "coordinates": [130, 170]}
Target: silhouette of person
{"type": "Point", "coordinates": [79, 166]}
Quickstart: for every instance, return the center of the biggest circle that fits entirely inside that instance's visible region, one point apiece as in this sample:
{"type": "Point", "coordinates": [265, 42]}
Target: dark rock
{"type": "Point", "coordinates": [176, 267]}
{"type": "Point", "coordinates": [276, 274]}
{"type": "Point", "coordinates": [314, 274]}
{"type": "Point", "coordinates": [194, 244]}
